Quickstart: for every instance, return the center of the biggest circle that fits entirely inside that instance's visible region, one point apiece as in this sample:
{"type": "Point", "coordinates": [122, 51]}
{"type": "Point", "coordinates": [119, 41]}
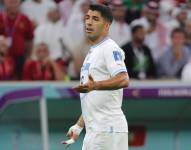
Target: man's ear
{"type": "Point", "coordinates": [107, 25]}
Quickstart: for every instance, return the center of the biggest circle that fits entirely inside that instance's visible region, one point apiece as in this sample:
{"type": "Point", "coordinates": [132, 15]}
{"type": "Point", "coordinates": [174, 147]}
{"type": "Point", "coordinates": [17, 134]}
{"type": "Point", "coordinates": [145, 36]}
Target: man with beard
{"type": "Point", "coordinates": [138, 56]}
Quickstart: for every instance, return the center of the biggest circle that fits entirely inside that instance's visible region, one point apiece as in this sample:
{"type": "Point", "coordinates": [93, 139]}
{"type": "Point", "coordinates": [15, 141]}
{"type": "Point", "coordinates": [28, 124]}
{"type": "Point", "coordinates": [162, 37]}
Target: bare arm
{"type": "Point", "coordinates": [121, 80]}
{"type": "Point", "coordinates": [58, 73]}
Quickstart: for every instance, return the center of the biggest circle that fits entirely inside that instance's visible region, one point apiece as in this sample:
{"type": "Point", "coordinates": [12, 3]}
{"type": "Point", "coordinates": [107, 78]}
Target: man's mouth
{"type": "Point", "coordinates": [89, 30]}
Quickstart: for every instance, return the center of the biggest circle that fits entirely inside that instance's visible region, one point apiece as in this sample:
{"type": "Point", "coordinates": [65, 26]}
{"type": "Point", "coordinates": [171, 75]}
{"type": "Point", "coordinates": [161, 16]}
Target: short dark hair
{"type": "Point", "coordinates": [104, 10]}
{"type": "Point", "coordinates": [177, 30]}
{"type": "Point", "coordinates": [136, 28]}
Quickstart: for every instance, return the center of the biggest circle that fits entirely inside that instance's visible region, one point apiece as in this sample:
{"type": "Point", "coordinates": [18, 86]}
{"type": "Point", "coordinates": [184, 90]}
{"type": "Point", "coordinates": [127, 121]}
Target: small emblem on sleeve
{"type": "Point", "coordinates": [117, 56]}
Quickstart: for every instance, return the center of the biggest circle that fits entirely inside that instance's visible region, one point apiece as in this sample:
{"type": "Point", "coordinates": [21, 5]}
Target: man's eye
{"type": "Point", "coordinates": [96, 18]}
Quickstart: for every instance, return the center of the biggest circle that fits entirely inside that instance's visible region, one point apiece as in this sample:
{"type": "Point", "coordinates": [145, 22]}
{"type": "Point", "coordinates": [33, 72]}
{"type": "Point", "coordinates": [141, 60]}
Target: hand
{"type": "Point", "coordinates": [73, 134]}
{"type": "Point", "coordinates": [87, 87]}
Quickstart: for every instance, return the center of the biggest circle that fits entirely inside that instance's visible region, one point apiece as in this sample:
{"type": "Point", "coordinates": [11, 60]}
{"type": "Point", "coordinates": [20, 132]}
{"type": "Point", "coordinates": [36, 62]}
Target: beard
{"type": "Point", "coordinates": [92, 38]}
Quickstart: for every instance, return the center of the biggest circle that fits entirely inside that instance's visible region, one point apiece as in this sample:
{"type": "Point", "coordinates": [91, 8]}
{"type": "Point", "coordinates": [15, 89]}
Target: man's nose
{"type": "Point", "coordinates": [89, 22]}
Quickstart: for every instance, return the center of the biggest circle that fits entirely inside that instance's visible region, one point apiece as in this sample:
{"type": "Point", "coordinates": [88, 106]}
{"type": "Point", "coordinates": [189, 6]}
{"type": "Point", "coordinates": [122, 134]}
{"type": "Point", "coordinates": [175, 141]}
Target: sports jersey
{"type": "Point", "coordinates": [101, 110]}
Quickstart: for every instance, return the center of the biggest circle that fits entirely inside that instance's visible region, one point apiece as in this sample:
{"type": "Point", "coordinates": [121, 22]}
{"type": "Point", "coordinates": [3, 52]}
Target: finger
{"type": "Point", "coordinates": [68, 142]}
{"type": "Point", "coordinates": [78, 88]}
{"type": "Point", "coordinates": [81, 87]}
{"type": "Point", "coordinates": [83, 91]}
{"type": "Point", "coordinates": [69, 134]}
{"type": "Point", "coordinates": [90, 77]}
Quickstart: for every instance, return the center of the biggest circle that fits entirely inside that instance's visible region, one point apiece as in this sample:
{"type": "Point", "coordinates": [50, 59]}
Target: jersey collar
{"type": "Point", "coordinates": [105, 39]}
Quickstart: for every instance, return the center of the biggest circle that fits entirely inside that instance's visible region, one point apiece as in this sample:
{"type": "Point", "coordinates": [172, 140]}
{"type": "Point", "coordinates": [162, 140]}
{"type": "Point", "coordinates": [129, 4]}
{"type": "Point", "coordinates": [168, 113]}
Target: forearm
{"type": "Point", "coordinates": [80, 122]}
{"type": "Point", "coordinates": [58, 73]}
{"type": "Point", "coordinates": [119, 81]}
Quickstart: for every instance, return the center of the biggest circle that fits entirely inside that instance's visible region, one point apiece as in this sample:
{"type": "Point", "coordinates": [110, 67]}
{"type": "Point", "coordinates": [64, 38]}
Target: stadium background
{"type": "Point", "coordinates": [155, 122]}
{"type": "Point", "coordinates": [158, 112]}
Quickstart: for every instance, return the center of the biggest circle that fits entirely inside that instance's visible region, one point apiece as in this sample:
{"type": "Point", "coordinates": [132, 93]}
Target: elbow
{"type": "Point", "coordinates": [126, 81]}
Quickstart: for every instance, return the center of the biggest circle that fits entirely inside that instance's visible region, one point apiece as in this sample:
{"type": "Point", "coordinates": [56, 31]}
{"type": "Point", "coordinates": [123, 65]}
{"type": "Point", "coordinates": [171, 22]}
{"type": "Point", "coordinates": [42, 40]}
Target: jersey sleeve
{"type": "Point", "coordinates": [114, 58]}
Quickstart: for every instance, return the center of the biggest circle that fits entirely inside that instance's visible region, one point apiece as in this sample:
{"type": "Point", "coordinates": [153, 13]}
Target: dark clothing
{"type": "Point", "coordinates": [137, 69]}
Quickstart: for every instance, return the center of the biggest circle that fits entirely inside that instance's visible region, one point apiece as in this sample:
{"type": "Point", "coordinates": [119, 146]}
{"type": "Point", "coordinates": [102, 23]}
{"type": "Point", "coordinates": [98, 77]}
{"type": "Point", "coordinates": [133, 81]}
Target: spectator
{"type": "Point", "coordinates": [157, 36]}
{"type": "Point", "coordinates": [37, 10]}
{"type": "Point", "coordinates": [7, 67]}
{"type": "Point", "coordinates": [19, 31]}
{"type": "Point", "coordinates": [186, 72]}
{"type": "Point", "coordinates": [119, 30]}
{"type": "Point", "coordinates": [65, 8]}
{"type": "Point", "coordinates": [175, 57]}
{"type": "Point", "coordinates": [51, 33]}
{"type": "Point", "coordinates": [42, 68]}
{"type": "Point", "coordinates": [180, 15]}
{"type": "Point", "coordinates": [166, 8]}
{"type": "Point", "coordinates": [138, 56]}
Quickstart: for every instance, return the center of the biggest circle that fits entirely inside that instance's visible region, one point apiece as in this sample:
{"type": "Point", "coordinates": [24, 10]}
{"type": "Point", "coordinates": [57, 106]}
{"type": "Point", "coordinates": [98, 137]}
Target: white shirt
{"type": "Point", "coordinates": [51, 34]}
{"type": "Point", "coordinates": [101, 110]}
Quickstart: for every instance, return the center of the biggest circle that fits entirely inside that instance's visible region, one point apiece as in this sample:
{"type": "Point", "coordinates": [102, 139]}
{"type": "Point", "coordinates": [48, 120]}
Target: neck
{"type": "Point", "coordinates": [98, 40]}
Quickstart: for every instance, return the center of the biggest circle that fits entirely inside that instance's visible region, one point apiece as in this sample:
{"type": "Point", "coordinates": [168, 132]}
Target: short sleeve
{"type": "Point", "coordinates": [114, 58]}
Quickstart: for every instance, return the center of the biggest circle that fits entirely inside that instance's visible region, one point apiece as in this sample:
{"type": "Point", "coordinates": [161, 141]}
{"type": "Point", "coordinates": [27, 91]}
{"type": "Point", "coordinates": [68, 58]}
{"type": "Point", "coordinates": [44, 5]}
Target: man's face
{"type": "Point", "coordinates": [119, 13]}
{"type": "Point", "coordinates": [42, 52]}
{"type": "Point", "coordinates": [12, 4]}
{"type": "Point", "coordinates": [139, 35]}
{"type": "Point", "coordinates": [54, 15]}
{"type": "Point", "coordinates": [95, 25]}
{"type": "Point", "coordinates": [151, 16]}
{"type": "Point", "coordinates": [178, 39]}
{"type": "Point", "coordinates": [182, 16]}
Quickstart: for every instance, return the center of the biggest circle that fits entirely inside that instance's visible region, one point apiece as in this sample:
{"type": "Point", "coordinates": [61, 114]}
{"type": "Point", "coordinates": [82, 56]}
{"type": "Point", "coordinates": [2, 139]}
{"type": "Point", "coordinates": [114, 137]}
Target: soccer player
{"type": "Point", "coordinates": [103, 75]}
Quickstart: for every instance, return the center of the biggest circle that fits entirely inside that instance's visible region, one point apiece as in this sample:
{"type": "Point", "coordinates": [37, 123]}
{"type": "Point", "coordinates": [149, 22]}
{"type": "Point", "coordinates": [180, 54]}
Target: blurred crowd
{"type": "Point", "coordinates": [45, 39]}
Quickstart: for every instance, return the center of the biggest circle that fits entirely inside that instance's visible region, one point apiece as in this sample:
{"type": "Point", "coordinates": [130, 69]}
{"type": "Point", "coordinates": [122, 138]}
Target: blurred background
{"type": "Point", "coordinates": [43, 45]}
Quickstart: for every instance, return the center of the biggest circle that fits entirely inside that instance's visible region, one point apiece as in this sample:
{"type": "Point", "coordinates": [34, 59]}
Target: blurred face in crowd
{"type": "Point", "coordinates": [152, 16]}
{"type": "Point", "coordinates": [54, 15]}
{"type": "Point", "coordinates": [95, 25]}
{"type": "Point", "coordinates": [118, 12]}
{"type": "Point", "coordinates": [12, 5]}
{"type": "Point", "coordinates": [139, 35]}
{"type": "Point", "coordinates": [3, 46]}
{"type": "Point", "coordinates": [182, 16]}
{"type": "Point", "coordinates": [42, 51]}
{"type": "Point", "coordinates": [178, 39]}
